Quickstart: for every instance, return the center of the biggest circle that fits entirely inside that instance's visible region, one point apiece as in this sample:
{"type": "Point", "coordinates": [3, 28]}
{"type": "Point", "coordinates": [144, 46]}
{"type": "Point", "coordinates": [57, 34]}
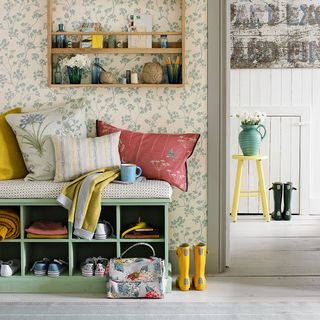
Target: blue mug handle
{"type": "Point", "coordinates": [139, 173]}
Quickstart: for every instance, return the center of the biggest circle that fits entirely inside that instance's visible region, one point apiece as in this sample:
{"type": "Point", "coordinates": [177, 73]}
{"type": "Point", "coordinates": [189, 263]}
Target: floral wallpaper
{"type": "Point", "coordinates": [23, 81]}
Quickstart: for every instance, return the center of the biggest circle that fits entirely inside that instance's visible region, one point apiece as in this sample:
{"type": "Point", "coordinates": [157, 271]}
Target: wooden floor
{"type": "Point", "coordinates": [277, 248]}
{"type": "Point", "coordinates": [274, 274]}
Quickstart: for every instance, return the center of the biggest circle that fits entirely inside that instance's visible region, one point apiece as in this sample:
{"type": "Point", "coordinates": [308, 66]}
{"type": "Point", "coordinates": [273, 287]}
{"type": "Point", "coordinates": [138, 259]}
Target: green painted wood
{"type": "Point", "coordinates": [118, 231]}
{"type": "Point", "coordinates": [111, 240]}
{"type": "Point", "coordinates": [166, 237]}
{"type": "Point", "coordinates": [142, 240]}
{"type": "Point", "coordinates": [29, 202]}
{"type": "Point", "coordinates": [62, 284]}
{"type": "Point", "coordinates": [69, 230]}
{"type": "Point", "coordinates": [22, 244]}
{"type": "Point", "coordinates": [169, 284]}
{"type": "Point", "coordinates": [46, 240]}
{"type": "Point", "coordinates": [104, 202]}
{"type": "Point", "coordinates": [71, 259]}
{"type": "Point", "coordinates": [136, 202]}
{"type": "Point", "coordinates": [23, 258]}
{"type": "Point", "coordinates": [71, 281]}
{"type": "Point", "coordinates": [22, 221]}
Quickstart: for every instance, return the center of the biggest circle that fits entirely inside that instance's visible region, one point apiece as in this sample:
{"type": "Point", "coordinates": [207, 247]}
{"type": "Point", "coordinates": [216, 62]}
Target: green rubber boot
{"type": "Point", "coordinates": [286, 214]}
{"type": "Point", "coordinates": [277, 188]}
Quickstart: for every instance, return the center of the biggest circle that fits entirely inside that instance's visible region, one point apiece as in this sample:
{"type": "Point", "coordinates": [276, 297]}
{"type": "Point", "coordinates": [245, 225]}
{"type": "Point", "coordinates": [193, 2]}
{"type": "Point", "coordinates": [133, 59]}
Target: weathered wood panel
{"type": "Point", "coordinates": [275, 33]}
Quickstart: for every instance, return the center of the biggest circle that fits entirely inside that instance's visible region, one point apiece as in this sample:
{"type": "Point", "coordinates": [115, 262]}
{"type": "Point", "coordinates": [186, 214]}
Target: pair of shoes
{"type": "Point", "coordinates": [9, 268]}
{"type": "Point", "coordinates": [94, 267]}
{"type": "Point", "coordinates": [103, 230]}
{"type": "Point", "coordinates": [199, 279]}
{"type": "Point", "coordinates": [279, 189]}
{"type": "Point", "coordinates": [44, 267]}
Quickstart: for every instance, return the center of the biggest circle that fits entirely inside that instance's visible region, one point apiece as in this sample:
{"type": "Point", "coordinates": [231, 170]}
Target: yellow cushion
{"type": "Point", "coordinates": [11, 162]}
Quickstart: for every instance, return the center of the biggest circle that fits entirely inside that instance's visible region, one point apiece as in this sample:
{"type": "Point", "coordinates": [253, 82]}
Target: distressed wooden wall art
{"type": "Point", "coordinates": [275, 34]}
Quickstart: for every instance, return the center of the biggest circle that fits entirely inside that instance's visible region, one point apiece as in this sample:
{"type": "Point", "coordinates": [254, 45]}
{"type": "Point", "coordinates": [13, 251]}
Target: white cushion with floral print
{"type": "Point", "coordinates": [33, 131]}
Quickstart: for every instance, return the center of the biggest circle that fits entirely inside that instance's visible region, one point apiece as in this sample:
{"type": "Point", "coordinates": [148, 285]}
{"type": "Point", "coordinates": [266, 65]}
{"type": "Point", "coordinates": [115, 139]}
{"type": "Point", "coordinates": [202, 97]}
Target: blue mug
{"type": "Point", "coordinates": [129, 172]}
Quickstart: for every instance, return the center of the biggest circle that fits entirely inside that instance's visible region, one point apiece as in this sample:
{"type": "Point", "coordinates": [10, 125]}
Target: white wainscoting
{"type": "Point", "coordinates": [291, 97]}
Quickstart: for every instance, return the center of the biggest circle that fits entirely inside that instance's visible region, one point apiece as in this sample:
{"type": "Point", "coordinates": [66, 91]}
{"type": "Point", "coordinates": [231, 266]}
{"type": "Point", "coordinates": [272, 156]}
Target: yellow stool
{"type": "Point", "coordinates": [238, 193]}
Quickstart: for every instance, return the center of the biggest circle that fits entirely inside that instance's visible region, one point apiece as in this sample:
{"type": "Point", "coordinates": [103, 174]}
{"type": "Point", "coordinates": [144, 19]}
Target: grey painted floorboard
{"type": "Point", "coordinates": [277, 248]}
{"type": "Point", "coordinates": [274, 274]}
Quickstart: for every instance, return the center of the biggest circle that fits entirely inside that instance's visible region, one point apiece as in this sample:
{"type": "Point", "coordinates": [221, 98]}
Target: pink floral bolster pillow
{"type": "Point", "coordinates": [160, 156]}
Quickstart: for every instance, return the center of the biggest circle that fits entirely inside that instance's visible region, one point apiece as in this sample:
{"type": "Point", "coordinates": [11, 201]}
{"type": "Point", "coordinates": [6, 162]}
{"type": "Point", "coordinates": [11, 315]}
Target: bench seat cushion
{"type": "Point", "coordinates": [20, 189]}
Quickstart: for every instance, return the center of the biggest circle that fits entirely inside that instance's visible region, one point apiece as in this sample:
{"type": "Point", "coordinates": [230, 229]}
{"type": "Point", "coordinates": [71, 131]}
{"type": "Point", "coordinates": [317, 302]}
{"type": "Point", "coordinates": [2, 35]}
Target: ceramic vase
{"type": "Point", "coordinates": [250, 139]}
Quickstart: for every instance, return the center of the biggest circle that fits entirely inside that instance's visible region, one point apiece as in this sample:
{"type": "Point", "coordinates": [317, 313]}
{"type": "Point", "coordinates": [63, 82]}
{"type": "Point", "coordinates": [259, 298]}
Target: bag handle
{"type": "Point", "coordinates": [139, 244]}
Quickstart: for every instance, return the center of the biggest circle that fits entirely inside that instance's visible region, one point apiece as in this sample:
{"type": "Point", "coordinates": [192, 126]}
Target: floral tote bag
{"type": "Point", "coordinates": [136, 277]}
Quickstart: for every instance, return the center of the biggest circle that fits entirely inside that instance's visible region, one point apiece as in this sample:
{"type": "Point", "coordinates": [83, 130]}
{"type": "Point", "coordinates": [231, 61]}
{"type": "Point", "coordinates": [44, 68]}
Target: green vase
{"type": "Point", "coordinates": [75, 75]}
{"type": "Point", "coordinates": [250, 139]}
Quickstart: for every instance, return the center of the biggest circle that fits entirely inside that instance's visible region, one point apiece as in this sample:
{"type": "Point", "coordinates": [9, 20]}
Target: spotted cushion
{"type": "Point", "coordinates": [148, 189]}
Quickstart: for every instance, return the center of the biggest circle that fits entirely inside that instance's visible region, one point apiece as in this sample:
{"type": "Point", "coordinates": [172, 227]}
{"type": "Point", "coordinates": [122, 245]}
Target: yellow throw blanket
{"type": "Point", "coordinates": [9, 224]}
{"type": "Point", "coordinates": [82, 198]}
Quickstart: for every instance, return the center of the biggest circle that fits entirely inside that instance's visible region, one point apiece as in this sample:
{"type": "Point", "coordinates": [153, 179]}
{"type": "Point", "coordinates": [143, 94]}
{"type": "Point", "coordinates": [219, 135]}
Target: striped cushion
{"type": "Point", "coordinates": [77, 156]}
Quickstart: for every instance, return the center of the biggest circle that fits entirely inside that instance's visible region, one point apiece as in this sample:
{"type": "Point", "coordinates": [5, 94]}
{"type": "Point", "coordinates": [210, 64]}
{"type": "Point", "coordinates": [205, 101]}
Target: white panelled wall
{"type": "Point", "coordinates": [291, 98]}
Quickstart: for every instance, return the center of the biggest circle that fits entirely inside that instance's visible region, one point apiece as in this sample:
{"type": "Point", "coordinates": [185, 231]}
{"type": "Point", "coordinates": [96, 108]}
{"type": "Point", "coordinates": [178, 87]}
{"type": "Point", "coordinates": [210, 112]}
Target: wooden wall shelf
{"type": "Point", "coordinates": [117, 85]}
{"type": "Point", "coordinates": [77, 33]}
{"type": "Point", "coordinates": [116, 50]}
{"type": "Point", "coordinates": [177, 48]}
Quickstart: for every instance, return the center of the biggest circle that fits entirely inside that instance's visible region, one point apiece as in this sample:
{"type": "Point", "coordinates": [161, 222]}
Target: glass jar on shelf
{"type": "Point", "coordinates": [60, 38]}
{"type": "Point", "coordinates": [96, 70]}
{"type": "Point", "coordinates": [163, 41]}
{"type": "Point", "coordinates": [58, 74]}
{"type": "Point", "coordinates": [111, 41]}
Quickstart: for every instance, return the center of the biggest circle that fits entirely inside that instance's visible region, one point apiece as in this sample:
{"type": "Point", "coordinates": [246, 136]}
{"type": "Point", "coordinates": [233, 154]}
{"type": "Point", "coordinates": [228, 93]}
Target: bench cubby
{"type": "Point", "coordinates": [119, 212]}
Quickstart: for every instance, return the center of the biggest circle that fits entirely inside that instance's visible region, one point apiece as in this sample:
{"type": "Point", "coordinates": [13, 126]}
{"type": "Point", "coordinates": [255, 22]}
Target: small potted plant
{"type": "Point", "coordinates": [250, 137]}
{"type": "Point", "coordinates": [75, 65]}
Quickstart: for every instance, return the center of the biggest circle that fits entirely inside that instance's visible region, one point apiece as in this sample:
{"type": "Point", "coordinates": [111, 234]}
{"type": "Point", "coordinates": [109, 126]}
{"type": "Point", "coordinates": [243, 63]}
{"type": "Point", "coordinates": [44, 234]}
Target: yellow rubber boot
{"type": "Point", "coordinates": [183, 253]}
{"type": "Point", "coordinates": [200, 254]}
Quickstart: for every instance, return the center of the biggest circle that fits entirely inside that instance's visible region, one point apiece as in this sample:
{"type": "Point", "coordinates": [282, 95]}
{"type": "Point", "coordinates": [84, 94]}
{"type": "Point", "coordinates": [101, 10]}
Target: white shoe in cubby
{"type": "Point", "coordinates": [10, 267]}
{"type": "Point", "coordinates": [87, 267]}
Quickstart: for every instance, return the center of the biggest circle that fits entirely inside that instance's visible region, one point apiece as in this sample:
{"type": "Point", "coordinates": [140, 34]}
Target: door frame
{"type": "Point", "coordinates": [218, 134]}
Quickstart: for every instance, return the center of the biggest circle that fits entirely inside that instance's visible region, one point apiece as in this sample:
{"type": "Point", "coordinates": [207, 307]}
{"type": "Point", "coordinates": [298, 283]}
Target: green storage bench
{"type": "Point", "coordinates": [122, 204]}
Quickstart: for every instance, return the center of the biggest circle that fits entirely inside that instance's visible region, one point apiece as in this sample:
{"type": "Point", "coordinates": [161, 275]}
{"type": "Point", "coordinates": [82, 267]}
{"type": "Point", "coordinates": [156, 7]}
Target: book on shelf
{"type": "Point", "coordinates": [141, 236]}
{"type": "Point", "coordinates": [147, 229]}
{"type": "Point", "coordinates": [144, 233]}
{"type": "Point", "coordinates": [91, 41]}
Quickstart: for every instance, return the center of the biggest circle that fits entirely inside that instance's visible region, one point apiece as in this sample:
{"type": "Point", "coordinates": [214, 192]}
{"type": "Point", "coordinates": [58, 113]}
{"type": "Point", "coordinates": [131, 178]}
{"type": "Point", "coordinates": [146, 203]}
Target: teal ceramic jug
{"type": "Point", "coordinates": [250, 139]}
